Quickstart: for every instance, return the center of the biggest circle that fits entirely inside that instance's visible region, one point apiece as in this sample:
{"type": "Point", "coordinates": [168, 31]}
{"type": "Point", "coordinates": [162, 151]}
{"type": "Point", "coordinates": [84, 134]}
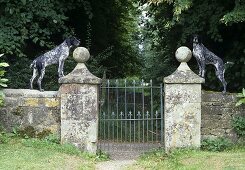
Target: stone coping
{"type": "Point", "coordinates": [29, 93]}
{"type": "Point", "coordinates": [183, 77]}
{"type": "Point", "coordinates": [80, 75]}
{"type": "Point", "coordinates": [213, 96]}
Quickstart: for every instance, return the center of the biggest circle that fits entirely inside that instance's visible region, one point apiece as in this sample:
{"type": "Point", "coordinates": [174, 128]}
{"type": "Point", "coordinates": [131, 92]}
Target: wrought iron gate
{"type": "Point", "coordinates": [131, 116]}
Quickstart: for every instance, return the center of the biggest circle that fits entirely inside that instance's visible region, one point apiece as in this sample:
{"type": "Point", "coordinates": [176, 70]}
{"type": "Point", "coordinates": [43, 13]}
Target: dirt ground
{"type": "Point", "coordinates": [114, 164]}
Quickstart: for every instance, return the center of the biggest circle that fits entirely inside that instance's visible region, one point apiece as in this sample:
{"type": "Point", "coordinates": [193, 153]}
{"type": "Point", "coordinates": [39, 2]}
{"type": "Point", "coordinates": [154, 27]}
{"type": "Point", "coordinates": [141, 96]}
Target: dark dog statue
{"type": "Point", "coordinates": [54, 56]}
{"type": "Point", "coordinates": [204, 56]}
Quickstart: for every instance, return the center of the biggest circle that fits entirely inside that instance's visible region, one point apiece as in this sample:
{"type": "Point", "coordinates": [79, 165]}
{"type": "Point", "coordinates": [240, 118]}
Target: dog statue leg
{"type": "Point", "coordinates": [220, 76]}
{"type": "Point", "coordinates": [39, 82]}
{"type": "Point", "coordinates": [60, 68]}
{"type": "Point", "coordinates": [200, 68]}
{"type": "Point", "coordinates": [34, 75]}
{"type": "Point", "coordinates": [203, 69]}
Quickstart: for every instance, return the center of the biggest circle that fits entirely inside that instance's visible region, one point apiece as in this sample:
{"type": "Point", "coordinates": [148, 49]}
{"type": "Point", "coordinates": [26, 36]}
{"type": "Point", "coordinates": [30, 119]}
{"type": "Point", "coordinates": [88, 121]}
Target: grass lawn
{"type": "Point", "coordinates": [36, 154]}
{"type": "Point", "coordinates": [45, 155]}
{"type": "Point", "coordinates": [193, 160]}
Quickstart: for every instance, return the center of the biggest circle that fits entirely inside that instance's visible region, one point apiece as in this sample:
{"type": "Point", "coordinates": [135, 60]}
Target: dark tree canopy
{"type": "Point", "coordinates": [30, 27]}
{"type": "Point", "coordinates": [125, 37]}
{"type": "Point", "coordinates": [221, 25]}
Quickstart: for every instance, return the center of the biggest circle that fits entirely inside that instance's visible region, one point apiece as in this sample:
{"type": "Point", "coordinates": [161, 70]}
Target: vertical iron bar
{"type": "Point", "coordinates": [161, 97]}
{"type": "Point", "coordinates": [147, 126]}
{"type": "Point", "coordinates": [117, 106]}
{"type": "Point", "coordinates": [104, 124]}
{"type": "Point", "coordinates": [108, 111]}
{"type": "Point", "coordinates": [138, 123]}
{"type": "Point", "coordinates": [143, 111]}
{"type": "Point", "coordinates": [152, 131]}
{"type": "Point", "coordinates": [113, 125]}
{"type": "Point", "coordinates": [130, 115]}
{"type": "Point", "coordinates": [134, 110]}
{"type": "Point", "coordinates": [100, 114]}
{"type": "Point", "coordinates": [156, 126]}
{"type": "Point", "coordinates": [151, 110]}
{"type": "Point", "coordinates": [125, 109]}
{"type": "Point", "coordinates": [121, 122]}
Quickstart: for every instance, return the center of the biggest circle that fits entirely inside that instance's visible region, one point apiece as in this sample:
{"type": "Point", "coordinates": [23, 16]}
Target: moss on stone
{"type": "Point", "coordinates": [28, 131]}
{"type": "Point", "coordinates": [44, 133]}
{"type": "Point", "coordinates": [31, 102]}
{"type": "Point", "coordinates": [51, 102]}
{"type": "Point", "coordinates": [18, 111]}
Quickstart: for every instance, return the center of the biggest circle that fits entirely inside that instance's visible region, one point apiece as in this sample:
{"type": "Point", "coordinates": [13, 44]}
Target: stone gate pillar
{"type": "Point", "coordinates": [182, 108]}
{"type": "Point", "coordinates": [79, 94]}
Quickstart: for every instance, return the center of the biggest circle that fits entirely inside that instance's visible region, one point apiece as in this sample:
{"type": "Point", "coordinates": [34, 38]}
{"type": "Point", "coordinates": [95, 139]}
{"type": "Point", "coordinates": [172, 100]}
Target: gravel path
{"type": "Point", "coordinates": [123, 154]}
{"type": "Point", "coordinates": [114, 164]}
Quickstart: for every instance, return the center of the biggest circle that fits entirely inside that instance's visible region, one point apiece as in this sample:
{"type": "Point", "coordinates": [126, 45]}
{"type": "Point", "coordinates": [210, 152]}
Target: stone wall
{"type": "Point", "coordinates": [217, 113]}
{"type": "Point", "coordinates": [31, 109]}
{"type": "Point", "coordinates": [41, 110]}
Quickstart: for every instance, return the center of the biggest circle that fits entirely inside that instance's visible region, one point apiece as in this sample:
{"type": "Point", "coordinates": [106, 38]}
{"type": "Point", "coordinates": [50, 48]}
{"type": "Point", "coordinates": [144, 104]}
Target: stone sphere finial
{"type": "Point", "coordinates": [81, 55]}
{"type": "Point", "coordinates": [183, 54]}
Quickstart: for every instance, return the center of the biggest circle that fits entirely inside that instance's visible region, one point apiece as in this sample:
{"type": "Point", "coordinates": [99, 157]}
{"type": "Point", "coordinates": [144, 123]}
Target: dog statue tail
{"type": "Point", "coordinates": [38, 65]}
{"type": "Point", "coordinates": [33, 63]}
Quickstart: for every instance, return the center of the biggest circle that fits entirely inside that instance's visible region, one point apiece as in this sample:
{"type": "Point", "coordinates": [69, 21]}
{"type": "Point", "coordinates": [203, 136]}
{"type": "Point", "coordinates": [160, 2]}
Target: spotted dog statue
{"type": "Point", "coordinates": [204, 57]}
{"type": "Point", "coordinates": [54, 56]}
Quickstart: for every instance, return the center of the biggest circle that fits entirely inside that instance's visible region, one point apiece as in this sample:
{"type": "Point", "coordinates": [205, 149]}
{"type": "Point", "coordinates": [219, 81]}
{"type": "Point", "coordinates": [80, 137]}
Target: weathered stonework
{"type": "Point", "coordinates": [79, 105]}
{"type": "Point", "coordinates": [30, 108]}
{"type": "Point", "coordinates": [218, 110]}
{"type": "Point", "coordinates": [182, 107]}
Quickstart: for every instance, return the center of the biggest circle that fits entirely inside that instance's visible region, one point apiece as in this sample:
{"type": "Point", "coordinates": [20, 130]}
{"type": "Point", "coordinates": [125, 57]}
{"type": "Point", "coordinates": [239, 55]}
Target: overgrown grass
{"type": "Point", "coordinates": [188, 159]}
{"type": "Point", "coordinates": [32, 153]}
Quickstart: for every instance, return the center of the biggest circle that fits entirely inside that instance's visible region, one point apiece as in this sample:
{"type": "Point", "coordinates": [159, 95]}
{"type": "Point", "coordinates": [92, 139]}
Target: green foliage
{"type": "Point", "coordinates": [53, 138]}
{"type": "Point", "coordinates": [102, 156]}
{"type": "Point", "coordinates": [24, 23]}
{"type": "Point", "coordinates": [119, 32]}
{"type": "Point", "coordinates": [241, 98]}
{"type": "Point", "coordinates": [170, 24]}
{"type": "Point", "coordinates": [238, 123]}
{"type": "Point", "coordinates": [29, 28]}
{"type": "Point", "coordinates": [236, 15]}
{"type": "Point", "coordinates": [4, 138]}
{"type": "Point", "coordinates": [218, 144]}
{"type": "Point", "coordinates": [2, 80]}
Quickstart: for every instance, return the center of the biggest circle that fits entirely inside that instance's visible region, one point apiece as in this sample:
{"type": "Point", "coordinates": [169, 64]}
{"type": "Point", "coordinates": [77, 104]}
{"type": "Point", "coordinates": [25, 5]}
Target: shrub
{"type": "Point", "coordinates": [218, 144]}
{"type": "Point", "coordinates": [3, 138]}
{"type": "Point", "coordinates": [241, 97]}
{"type": "Point", "coordinates": [53, 138]}
{"type": "Point", "coordinates": [238, 123]}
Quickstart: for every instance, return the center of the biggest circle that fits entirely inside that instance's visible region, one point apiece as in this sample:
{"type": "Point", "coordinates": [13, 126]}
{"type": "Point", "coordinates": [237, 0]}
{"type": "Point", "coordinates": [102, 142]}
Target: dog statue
{"type": "Point", "coordinates": [54, 56]}
{"type": "Point", "coordinates": [204, 57]}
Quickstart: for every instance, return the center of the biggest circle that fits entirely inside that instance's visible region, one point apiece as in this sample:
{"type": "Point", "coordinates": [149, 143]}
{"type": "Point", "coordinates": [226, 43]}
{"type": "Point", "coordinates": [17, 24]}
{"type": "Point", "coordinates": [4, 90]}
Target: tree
{"type": "Point", "coordinates": [29, 28]}
{"type": "Point", "coordinates": [116, 23]}
{"type": "Point", "coordinates": [221, 34]}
